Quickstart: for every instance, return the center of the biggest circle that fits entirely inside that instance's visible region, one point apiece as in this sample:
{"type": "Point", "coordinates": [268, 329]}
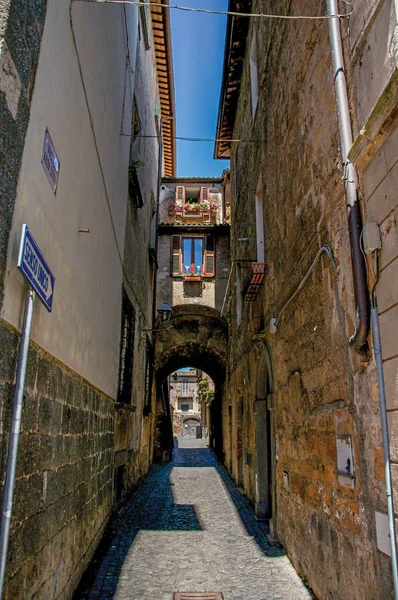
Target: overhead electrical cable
{"type": "Point", "coordinates": [220, 12]}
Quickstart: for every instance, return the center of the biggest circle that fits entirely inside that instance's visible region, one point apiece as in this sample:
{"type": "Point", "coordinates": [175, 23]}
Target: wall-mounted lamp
{"type": "Point", "coordinates": [164, 312]}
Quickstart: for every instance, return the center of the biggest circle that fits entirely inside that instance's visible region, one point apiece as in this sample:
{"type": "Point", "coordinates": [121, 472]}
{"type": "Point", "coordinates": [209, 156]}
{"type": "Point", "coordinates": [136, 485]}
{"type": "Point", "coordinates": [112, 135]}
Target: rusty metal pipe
{"type": "Point", "coordinates": [359, 340]}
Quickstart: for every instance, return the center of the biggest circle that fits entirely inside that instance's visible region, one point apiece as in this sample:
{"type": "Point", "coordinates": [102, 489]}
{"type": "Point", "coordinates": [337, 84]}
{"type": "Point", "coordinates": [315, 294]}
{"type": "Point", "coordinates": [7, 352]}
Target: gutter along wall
{"type": "Point", "coordinates": [320, 396]}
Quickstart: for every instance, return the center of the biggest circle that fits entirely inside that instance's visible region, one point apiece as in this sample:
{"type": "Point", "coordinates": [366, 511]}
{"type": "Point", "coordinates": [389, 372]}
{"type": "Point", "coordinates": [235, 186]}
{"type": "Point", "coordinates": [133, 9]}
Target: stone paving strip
{"type": "Point", "coordinates": [189, 529]}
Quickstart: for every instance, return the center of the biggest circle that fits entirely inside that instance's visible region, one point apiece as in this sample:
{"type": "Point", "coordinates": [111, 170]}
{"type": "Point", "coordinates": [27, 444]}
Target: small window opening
{"type": "Point", "coordinates": [260, 228]}
{"type": "Point", "coordinates": [254, 73]}
{"type": "Point", "coordinates": [148, 377]}
{"type": "Point", "coordinates": [238, 295]}
{"type": "Point", "coordinates": [126, 351]}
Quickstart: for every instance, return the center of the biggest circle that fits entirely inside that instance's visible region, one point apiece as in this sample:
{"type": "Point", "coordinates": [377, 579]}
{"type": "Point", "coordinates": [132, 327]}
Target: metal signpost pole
{"type": "Point", "coordinates": [14, 435]}
{"type": "Point", "coordinates": [35, 269]}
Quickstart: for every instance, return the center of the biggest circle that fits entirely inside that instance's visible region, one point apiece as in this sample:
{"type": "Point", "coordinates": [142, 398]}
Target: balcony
{"type": "Point", "coordinates": [258, 271]}
{"type": "Point", "coordinates": [193, 213]}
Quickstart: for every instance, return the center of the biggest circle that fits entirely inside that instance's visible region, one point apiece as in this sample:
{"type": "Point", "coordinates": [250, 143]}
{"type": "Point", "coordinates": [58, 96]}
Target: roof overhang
{"type": "Point", "coordinates": [164, 67]}
{"type": "Point", "coordinates": [234, 54]}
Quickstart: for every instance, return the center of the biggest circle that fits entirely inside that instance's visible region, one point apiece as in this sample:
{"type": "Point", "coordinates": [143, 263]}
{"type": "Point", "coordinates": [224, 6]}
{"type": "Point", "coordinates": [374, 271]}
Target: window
{"type": "Point", "coordinates": [198, 251]}
{"type": "Point", "coordinates": [144, 12]}
{"type": "Point", "coordinates": [192, 254]}
{"type": "Point", "coordinates": [148, 377]}
{"type": "Point", "coordinates": [185, 404]}
{"type": "Point", "coordinates": [238, 295]}
{"type": "Point", "coordinates": [133, 184]}
{"type": "Point", "coordinates": [180, 193]}
{"type": "Point", "coordinates": [260, 229]}
{"type": "Point", "coordinates": [185, 387]}
{"type": "Point", "coordinates": [126, 351]}
{"type": "Point", "coordinates": [204, 194]}
{"type": "Point", "coordinates": [254, 73]}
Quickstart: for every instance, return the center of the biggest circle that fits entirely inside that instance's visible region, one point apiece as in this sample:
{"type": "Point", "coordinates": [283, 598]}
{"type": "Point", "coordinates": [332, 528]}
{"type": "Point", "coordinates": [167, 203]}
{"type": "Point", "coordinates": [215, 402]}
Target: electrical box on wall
{"type": "Point", "coordinates": [382, 533]}
{"type": "Point", "coordinates": [371, 238]}
{"type": "Point", "coordinates": [345, 460]}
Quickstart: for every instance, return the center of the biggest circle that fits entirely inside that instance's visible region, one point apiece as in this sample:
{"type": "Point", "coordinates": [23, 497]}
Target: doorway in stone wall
{"type": "Point", "coordinates": [239, 441]}
{"type": "Point", "coordinates": [265, 442]}
{"type": "Point", "coordinates": [190, 426]}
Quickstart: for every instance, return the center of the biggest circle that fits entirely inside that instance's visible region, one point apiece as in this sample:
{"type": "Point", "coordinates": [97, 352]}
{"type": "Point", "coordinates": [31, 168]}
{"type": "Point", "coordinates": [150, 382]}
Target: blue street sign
{"type": "Point", "coordinates": [32, 264]}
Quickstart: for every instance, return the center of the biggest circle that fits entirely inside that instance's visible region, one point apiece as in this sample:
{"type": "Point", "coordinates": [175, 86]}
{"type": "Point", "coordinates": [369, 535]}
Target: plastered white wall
{"type": "Point", "coordinates": [84, 328]}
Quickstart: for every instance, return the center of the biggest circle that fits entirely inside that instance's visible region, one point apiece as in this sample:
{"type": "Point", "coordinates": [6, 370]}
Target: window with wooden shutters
{"type": "Point", "coordinates": [209, 266]}
{"type": "Point", "coordinates": [176, 255]}
{"type": "Point", "coordinates": [180, 193]}
{"type": "Point", "coordinates": [192, 255]}
{"type": "Point", "coordinates": [204, 193]}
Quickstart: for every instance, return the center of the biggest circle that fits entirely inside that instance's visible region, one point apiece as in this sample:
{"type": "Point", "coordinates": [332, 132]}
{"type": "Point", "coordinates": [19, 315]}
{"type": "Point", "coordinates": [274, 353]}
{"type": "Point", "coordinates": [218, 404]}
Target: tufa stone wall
{"type": "Point", "coordinates": [64, 479]}
{"type": "Point", "coordinates": [318, 388]}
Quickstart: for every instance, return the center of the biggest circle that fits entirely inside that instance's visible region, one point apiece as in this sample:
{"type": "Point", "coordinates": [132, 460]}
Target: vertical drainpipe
{"type": "Point", "coordinates": [359, 339]}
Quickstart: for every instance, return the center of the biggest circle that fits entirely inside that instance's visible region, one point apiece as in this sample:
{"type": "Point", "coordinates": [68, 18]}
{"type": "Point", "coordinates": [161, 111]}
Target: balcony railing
{"type": "Point", "coordinates": [258, 271]}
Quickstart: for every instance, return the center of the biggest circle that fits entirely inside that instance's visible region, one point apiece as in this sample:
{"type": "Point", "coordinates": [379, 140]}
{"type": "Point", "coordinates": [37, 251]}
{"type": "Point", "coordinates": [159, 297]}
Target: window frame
{"type": "Point", "coordinates": [254, 79]}
{"type": "Point", "coordinates": [126, 352]}
{"type": "Point", "coordinates": [208, 266]}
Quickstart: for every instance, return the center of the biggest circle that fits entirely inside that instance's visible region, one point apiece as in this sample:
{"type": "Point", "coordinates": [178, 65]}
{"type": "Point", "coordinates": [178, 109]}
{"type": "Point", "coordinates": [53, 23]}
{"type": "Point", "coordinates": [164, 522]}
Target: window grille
{"type": "Point", "coordinates": [148, 376]}
{"type": "Point", "coordinates": [126, 351]}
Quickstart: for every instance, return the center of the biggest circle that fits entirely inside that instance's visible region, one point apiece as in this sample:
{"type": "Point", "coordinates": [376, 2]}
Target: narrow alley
{"type": "Point", "coordinates": [188, 528]}
{"type": "Point", "coordinates": [198, 299]}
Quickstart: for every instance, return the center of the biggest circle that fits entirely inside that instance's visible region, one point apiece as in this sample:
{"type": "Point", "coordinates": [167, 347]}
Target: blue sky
{"type": "Point", "coordinates": [198, 48]}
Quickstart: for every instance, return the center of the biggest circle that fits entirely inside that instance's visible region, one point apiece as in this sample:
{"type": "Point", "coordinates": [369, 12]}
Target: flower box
{"type": "Point", "coordinates": [192, 278]}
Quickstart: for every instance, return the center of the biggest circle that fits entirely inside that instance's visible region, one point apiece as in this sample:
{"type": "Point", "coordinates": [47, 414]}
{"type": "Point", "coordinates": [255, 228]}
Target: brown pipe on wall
{"type": "Point", "coordinates": [359, 341]}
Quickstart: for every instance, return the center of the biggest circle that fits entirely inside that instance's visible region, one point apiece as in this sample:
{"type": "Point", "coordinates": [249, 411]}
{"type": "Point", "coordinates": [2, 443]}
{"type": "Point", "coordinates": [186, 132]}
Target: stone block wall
{"type": "Point", "coordinates": [320, 388]}
{"type": "Point", "coordinates": [64, 480]}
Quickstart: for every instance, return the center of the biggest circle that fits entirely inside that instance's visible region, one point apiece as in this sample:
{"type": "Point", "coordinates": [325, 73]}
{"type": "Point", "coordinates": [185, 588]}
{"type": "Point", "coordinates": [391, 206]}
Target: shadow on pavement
{"type": "Point", "coordinates": [151, 507]}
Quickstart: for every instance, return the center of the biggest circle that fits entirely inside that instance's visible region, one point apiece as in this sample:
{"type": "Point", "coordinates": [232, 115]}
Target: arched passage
{"type": "Point", "coordinates": [196, 336]}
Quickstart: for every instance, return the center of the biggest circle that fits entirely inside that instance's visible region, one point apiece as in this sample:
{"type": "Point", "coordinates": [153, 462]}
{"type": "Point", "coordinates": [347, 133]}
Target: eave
{"type": "Point", "coordinates": [234, 54]}
{"type": "Point", "coordinates": [164, 68]}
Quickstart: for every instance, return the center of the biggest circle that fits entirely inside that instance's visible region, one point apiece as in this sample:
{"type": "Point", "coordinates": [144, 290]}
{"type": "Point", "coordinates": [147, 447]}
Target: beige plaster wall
{"type": "Point", "coordinates": [83, 329]}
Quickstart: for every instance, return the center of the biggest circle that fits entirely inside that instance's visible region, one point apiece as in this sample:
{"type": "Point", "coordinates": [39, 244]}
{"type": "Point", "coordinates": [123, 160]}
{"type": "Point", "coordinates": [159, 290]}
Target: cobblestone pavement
{"type": "Point", "coordinates": [186, 529]}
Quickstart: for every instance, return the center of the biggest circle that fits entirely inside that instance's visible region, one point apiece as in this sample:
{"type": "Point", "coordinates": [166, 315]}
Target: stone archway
{"type": "Point", "coordinates": [189, 426]}
{"type": "Point", "coordinates": [265, 439]}
{"type": "Point", "coordinates": [196, 336]}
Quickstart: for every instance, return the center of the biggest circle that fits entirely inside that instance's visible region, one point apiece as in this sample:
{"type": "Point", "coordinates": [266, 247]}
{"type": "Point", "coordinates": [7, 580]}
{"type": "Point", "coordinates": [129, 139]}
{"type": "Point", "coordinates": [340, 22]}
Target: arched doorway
{"type": "Point", "coordinates": [265, 439]}
{"type": "Point", "coordinates": [195, 337]}
{"type": "Point", "coordinates": [189, 426]}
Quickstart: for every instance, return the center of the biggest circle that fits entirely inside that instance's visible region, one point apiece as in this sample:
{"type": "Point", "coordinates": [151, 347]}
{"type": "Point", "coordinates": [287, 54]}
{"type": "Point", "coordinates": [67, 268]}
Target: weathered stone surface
{"type": "Point", "coordinates": [64, 474]}
{"type": "Point", "coordinates": [197, 544]}
{"type": "Point", "coordinates": [318, 389]}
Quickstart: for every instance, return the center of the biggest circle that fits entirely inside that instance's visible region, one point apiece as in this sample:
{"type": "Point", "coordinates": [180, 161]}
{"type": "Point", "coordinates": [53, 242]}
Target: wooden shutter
{"type": "Point", "coordinates": [204, 193]}
{"type": "Point", "coordinates": [180, 193]}
{"type": "Point", "coordinates": [176, 255]}
{"type": "Point", "coordinates": [209, 256]}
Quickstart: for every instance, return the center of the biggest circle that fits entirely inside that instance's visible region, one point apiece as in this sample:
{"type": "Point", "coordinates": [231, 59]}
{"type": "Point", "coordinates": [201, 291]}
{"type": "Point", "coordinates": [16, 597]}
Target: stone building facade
{"type": "Point", "coordinates": [184, 399]}
{"type": "Point", "coordinates": [193, 267]}
{"type": "Point", "coordinates": [87, 422]}
{"type": "Point", "coordinates": [301, 418]}
{"type": "Point", "coordinates": [193, 247]}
